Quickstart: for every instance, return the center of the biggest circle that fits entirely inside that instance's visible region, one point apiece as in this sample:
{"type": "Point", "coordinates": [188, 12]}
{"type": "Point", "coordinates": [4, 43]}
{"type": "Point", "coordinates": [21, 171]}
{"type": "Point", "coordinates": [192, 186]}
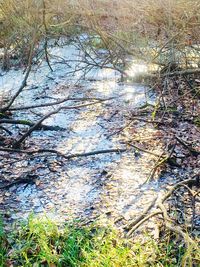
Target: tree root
{"type": "Point", "coordinates": [142, 216]}
{"type": "Point", "coordinates": [158, 205]}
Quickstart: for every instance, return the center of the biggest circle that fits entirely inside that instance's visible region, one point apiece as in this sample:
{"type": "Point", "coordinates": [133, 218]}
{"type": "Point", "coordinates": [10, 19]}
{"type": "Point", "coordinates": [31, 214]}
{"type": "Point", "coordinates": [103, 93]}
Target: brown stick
{"type": "Point", "coordinates": [144, 150]}
{"type": "Point", "coordinates": [76, 155]}
{"type": "Point", "coordinates": [24, 82]}
{"type": "Point", "coordinates": [60, 102]}
{"type": "Point", "coordinates": [159, 205]}
{"type": "Point", "coordinates": [141, 217]}
{"type": "Point", "coordinates": [29, 123]}
{"type": "Point", "coordinates": [188, 147]}
{"type": "Point", "coordinates": [142, 221]}
{"type": "Point", "coordinates": [37, 124]}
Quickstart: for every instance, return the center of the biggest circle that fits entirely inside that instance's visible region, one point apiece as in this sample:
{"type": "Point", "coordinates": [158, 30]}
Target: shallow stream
{"type": "Point", "coordinates": [110, 185]}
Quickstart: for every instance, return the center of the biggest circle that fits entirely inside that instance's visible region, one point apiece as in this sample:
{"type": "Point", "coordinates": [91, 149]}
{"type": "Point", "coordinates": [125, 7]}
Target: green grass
{"type": "Point", "coordinates": [2, 245]}
{"type": "Point", "coordinates": [40, 242]}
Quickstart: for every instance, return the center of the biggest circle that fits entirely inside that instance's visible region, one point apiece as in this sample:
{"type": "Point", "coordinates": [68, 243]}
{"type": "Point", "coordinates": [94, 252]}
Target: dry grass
{"type": "Point", "coordinates": [170, 28]}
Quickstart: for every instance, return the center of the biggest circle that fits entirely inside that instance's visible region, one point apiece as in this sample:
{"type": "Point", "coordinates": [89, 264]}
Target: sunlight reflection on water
{"type": "Point", "coordinates": [86, 130]}
{"type": "Point", "coordinates": [137, 69]}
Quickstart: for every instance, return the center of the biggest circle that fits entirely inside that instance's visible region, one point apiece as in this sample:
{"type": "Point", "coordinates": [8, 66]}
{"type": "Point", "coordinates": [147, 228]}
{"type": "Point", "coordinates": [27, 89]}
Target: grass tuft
{"type": "Point", "coordinates": [40, 242]}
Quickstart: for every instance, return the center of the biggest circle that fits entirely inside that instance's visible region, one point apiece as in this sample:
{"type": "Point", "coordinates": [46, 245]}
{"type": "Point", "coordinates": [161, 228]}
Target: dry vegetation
{"type": "Point", "coordinates": [161, 32]}
{"type": "Point", "coordinates": [165, 32]}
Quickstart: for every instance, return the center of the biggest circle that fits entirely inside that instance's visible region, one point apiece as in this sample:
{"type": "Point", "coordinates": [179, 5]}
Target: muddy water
{"type": "Point", "coordinates": [109, 184]}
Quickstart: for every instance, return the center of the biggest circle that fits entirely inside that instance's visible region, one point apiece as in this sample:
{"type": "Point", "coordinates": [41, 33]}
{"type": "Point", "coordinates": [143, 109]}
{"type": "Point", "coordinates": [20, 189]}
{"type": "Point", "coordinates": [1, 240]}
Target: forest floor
{"type": "Point", "coordinates": [156, 142]}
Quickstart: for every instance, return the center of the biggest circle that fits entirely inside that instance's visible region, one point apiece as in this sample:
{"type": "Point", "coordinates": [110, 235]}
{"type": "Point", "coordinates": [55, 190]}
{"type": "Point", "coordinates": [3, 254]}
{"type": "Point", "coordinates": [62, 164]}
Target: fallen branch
{"type": "Point", "coordinates": [174, 228]}
{"type": "Point", "coordinates": [175, 73]}
{"type": "Point", "coordinates": [29, 123]}
{"type": "Point", "coordinates": [144, 150]}
{"type": "Point", "coordinates": [190, 182]}
{"type": "Point", "coordinates": [37, 124]}
{"type": "Point", "coordinates": [161, 160]}
{"type": "Point", "coordinates": [141, 217]}
{"type": "Point", "coordinates": [26, 179]}
{"type": "Point", "coordinates": [121, 130]}
{"type": "Point", "coordinates": [5, 130]}
{"type": "Point", "coordinates": [143, 220]}
{"type": "Point", "coordinates": [188, 147]}
{"type": "Point", "coordinates": [159, 163]}
{"type": "Point", "coordinates": [76, 155]}
{"type": "Point", "coordinates": [182, 72]}
{"type": "Point", "coordinates": [61, 101]}
{"type": "Point", "coordinates": [158, 204]}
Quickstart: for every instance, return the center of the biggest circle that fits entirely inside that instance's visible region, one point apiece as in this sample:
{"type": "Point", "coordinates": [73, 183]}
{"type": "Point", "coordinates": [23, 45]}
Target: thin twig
{"type": "Point", "coordinates": [70, 156]}
{"type": "Point", "coordinates": [37, 124]}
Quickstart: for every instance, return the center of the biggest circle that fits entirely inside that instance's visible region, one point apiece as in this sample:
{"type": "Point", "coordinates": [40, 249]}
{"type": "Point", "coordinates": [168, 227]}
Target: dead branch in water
{"type": "Point", "coordinates": [188, 147]}
{"type": "Point", "coordinates": [27, 178]}
{"type": "Point", "coordinates": [37, 124]}
{"type": "Point", "coordinates": [61, 101]}
{"type": "Point", "coordinates": [70, 156]}
{"type": "Point", "coordinates": [28, 70]}
{"type": "Point", "coordinates": [29, 123]}
{"type": "Point", "coordinates": [23, 85]}
{"type": "Point", "coordinates": [5, 130]}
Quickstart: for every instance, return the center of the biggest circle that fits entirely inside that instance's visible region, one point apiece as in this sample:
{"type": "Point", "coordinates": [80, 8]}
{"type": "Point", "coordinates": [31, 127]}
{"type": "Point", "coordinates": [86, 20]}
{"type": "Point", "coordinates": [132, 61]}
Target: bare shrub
{"type": "Point", "coordinates": [165, 32]}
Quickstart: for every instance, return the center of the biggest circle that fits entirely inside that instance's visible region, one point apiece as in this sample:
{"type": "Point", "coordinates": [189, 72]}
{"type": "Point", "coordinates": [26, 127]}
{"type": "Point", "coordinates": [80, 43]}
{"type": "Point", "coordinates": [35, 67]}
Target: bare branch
{"type": "Point", "coordinates": [37, 124]}
{"type": "Point", "coordinates": [70, 156]}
